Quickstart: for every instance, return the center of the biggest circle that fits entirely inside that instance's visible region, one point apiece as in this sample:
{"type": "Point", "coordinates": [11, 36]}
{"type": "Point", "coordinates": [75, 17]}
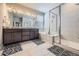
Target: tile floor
{"type": "Point", "coordinates": [31, 49]}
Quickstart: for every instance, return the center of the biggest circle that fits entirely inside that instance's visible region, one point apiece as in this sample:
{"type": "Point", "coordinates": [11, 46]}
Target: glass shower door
{"type": "Point", "coordinates": [53, 23]}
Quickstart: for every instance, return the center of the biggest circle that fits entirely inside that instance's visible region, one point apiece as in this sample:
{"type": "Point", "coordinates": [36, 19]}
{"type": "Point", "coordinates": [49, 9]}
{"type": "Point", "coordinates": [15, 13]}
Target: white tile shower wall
{"type": "Point", "coordinates": [3, 14]}
{"type": "Point", "coordinates": [70, 22]}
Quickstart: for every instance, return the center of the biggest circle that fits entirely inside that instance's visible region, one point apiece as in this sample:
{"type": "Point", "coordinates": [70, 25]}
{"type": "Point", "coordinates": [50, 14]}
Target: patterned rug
{"type": "Point", "coordinates": [38, 41]}
{"type": "Point", "coordinates": [11, 49]}
{"type": "Point", "coordinates": [58, 51]}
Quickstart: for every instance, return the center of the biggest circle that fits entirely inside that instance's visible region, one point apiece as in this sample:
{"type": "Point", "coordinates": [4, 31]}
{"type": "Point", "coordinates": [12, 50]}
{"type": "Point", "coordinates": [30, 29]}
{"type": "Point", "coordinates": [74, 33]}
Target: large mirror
{"type": "Point", "coordinates": [18, 20]}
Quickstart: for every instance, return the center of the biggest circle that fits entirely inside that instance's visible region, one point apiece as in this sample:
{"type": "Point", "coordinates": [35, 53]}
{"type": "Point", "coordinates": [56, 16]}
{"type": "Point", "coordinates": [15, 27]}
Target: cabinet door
{"type": "Point", "coordinates": [31, 35]}
{"type": "Point", "coordinates": [7, 38]}
{"type": "Point", "coordinates": [16, 36]}
{"type": "Point", "coordinates": [36, 33]}
{"type": "Point", "coordinates": [25, 38]}
{"type": "Point", "coordinates": [25, 34]}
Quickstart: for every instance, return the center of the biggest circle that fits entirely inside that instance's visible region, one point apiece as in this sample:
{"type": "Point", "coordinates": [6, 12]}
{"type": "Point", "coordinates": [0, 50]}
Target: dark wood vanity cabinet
{"type": "Point", "coordinates": [18, 35]}
{"type": "Point", "coordinates": [25, 34]}
{"type": "Point", "coordinates": [30, 34]}
{"type": "Point", "coordinates": [7, 37]}
{"type": "Point", "coordinates": [11, 36]}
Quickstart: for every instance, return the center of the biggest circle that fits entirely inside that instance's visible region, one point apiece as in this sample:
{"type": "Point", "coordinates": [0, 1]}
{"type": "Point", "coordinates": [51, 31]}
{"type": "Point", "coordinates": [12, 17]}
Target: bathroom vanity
{"type": "Point", "coordinates": [21, 27]}
{"type": "Point", "coordinates": [14, 35]}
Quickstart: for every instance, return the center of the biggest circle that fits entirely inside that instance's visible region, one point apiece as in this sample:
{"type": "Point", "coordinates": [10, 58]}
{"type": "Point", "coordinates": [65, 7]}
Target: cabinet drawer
{"type": "Point", "coordinates": [25, 38]}
{"type": "Point", "coordinates": [31, 33]}
{"type": "Point", "coordinates": [11, 30]}
{"type": "Point", "coordinates": [25, 33]}
{"type": "Point", "coordinates": [7, 30]}
{"type": "Point", "coordinates": [25, 30]}
{"type": "Point", "coordinates": [35, 30]}
{"type": "Point", "coordinates": [16, 30]}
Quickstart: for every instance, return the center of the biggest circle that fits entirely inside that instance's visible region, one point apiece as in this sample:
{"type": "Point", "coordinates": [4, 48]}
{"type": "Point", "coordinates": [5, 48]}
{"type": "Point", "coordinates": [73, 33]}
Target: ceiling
{"type": "Point", "coordinates": [42, 7]}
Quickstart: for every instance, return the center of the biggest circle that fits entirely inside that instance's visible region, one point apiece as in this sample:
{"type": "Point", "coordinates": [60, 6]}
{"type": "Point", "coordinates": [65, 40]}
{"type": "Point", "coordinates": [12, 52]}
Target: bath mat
{"type": "Point", "coordinates": [38, 41]}
{"type": "Point", "coordinates": [11, 49]}
{"type": "Point", "coordinates": [58, 51]}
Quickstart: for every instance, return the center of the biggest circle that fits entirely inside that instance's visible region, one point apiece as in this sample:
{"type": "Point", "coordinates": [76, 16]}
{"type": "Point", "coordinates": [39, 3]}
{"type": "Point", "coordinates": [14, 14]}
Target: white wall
{"type": "Point", "coordinates": [1, 19]}
{"type": "Point", "coordinates": [70, 22]}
